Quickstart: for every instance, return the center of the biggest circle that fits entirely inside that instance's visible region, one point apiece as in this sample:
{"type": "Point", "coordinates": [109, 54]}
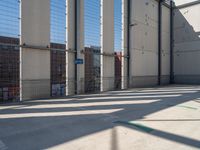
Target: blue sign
{"type": "Point", "coordinates": [78, 61]}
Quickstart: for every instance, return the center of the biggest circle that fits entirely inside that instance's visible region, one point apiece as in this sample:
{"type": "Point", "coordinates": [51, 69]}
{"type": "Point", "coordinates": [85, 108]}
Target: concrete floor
{"type": "Point", "coordinates": [164, 118]}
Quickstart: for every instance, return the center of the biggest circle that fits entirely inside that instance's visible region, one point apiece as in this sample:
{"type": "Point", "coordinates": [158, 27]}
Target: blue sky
{"type": "Point", "coordinates": [92, 23]}
{"type": "Point", "coordinates": [58, 21]}
{"type": "Point", "coordinates": [9, 21]}
{"type": "Point", "coordinates": [9, 18]}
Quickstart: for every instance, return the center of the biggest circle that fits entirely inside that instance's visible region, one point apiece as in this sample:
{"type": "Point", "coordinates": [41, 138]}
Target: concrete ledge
{"type": "Point", "coordinates": [70, 86]}
{"type": "Point", "coordinates": [36, 89]}
{"type": "Point", "coordinates": [165, 79]}
{"type": "Point", "coordinates": [108, 84]}
{"type": "Point", "coordinates": [143, 81]}
{"type": "Point", "coordinates": [187, 79]}
{"type": "Point", "coordinates": [124, 82]}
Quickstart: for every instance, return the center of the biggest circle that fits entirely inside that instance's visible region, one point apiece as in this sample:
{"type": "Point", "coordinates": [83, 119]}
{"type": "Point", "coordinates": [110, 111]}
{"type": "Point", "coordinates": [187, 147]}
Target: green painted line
{"type": "Point", "coordinates": [183, 106]}
{"type": "Point", "coordinates": [139, 126]}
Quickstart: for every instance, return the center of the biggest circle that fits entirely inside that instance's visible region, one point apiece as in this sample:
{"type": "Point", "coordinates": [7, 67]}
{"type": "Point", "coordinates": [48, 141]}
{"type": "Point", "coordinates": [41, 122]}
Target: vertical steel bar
{"type": "Point", "coordinates": [159, 41]}
{"type": "Point", "coordinates": [171, 42]}
{"type": "Point", "coordinates": [75, 44]}
{"type": "Point", "coordinates": [128, 42]}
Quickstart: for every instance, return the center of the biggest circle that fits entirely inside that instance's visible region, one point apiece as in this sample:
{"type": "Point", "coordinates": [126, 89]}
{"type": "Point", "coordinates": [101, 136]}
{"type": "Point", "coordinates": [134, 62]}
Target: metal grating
{"type": "Point", "coordinates": [58, 54]}
{"type": "Point", "coordinates": [58, 21]}
{"type": "Point", "coordinates": [92, 45]}
{"type": "Point", "coordinates": [9, 50]}
{"type": "Point", "coordinates": [118, 41]}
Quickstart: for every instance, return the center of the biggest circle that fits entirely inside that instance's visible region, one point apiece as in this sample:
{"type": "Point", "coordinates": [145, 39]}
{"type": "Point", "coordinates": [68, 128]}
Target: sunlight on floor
{"type": "Point", "coordinates": [111, 121]}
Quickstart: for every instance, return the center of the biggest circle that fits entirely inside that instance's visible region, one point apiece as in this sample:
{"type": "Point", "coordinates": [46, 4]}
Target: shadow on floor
{"type": "Point", "coordinates": [57, 121]}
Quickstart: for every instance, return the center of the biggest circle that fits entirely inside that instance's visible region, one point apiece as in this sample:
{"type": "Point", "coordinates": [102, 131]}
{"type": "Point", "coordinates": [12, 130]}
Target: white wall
{"type": "Point", "coordinates": [187, 44]}
{"type": "Point", "coordinates": [35, 63]}
{"type": "Point", "coordinates": [144, 42]}
{"type": "Point", "coordinates": [107, 45]}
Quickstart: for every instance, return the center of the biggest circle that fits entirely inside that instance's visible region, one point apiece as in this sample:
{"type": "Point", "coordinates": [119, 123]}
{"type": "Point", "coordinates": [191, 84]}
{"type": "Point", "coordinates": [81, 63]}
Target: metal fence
{"type": "Point", "coordinates": [10, 58]}
{"type": "Point", "coordinates": [118, 42]}
{"type": "Point", "coordinates": [9, 50]}
{"type": "Point", "coordinates": [92, 69]}
{"type": "Point", "coordinates": [92, 45]}
{"type": "Point", "coordinates": [58, 53]}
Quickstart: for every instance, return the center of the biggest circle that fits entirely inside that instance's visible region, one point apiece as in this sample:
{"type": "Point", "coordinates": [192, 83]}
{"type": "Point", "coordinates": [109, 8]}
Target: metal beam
{"type": "Point", "coordinates": [128, 42]}
{"type": "Point", "coordinates": [75, 44]}
{"type": "Point", "coordinates": [171, 42]}
{"type": "Point", "coordinates": [159, 41]}
{"type": "Point", "coordinates": [166, 5]}
{"type": "Point", "coordinates": [187, 5]}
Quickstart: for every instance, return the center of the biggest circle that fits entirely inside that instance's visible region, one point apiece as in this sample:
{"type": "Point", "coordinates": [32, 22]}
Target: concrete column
{"type": "Point", "coordinates": [144, 43]}
{"type": "Point", "coordinates": [80, 47]}
{"type": "Point", "coordinates": [35, 54]}
{"type": "Point", "coordinates": [70, 45]}
{"type": "Point", "coordinates": [165, 74]}
{"type": "Point", "coordinates": [107, 45]}
{"type": "Point", "coordinates": [75, 46]}
{"type": "Point", "coordinates": [124, 43]}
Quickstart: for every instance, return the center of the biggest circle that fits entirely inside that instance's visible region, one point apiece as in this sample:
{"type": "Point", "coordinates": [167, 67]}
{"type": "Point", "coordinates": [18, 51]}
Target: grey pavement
{"type": "Point", "coordinates": [160, 118]}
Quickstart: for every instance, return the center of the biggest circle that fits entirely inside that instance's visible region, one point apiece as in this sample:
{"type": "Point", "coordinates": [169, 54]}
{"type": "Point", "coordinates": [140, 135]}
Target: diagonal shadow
{"type": "Point", "coordinates": [62, 129]}
{"type": "Point", "coordinates": [168, 136]}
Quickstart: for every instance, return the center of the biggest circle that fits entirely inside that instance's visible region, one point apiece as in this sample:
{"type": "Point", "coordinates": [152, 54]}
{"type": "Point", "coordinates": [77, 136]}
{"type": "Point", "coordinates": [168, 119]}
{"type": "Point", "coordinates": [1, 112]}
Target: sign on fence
{"type": "Point", "coordinates": [78, 61]}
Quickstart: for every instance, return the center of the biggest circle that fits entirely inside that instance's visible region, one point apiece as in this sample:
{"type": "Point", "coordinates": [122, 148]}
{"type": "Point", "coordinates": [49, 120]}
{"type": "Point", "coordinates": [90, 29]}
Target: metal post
{"type": "Point", "coordinates": [75, 55]}
{"type": "Point", "coordinates": [128, 42]}
{"type": "Point", "coordinates": [159, 41]}
{"type": "Point", "coordinates": [171, 42]}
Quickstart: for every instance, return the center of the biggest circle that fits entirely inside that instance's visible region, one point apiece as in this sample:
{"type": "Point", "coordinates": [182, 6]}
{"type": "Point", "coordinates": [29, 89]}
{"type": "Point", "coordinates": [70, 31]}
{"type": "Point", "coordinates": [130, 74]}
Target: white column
{"type": "Point", "coordinates": [70, 45]}
{"type": "Point", "coordinates": [165, 78]}
{"type": "Point", "coordinates": [75, 43]}
{"type": "Point", "coordinates": [144, 43]}
{"type": "Point", "coordinates": [80, 46]}
{"type": "Point", "coordinates": [35, 55]}
{"type": "Point", "coordinates": [124, 43]}
{"type": "Point", "coordinates": [107, 45]}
